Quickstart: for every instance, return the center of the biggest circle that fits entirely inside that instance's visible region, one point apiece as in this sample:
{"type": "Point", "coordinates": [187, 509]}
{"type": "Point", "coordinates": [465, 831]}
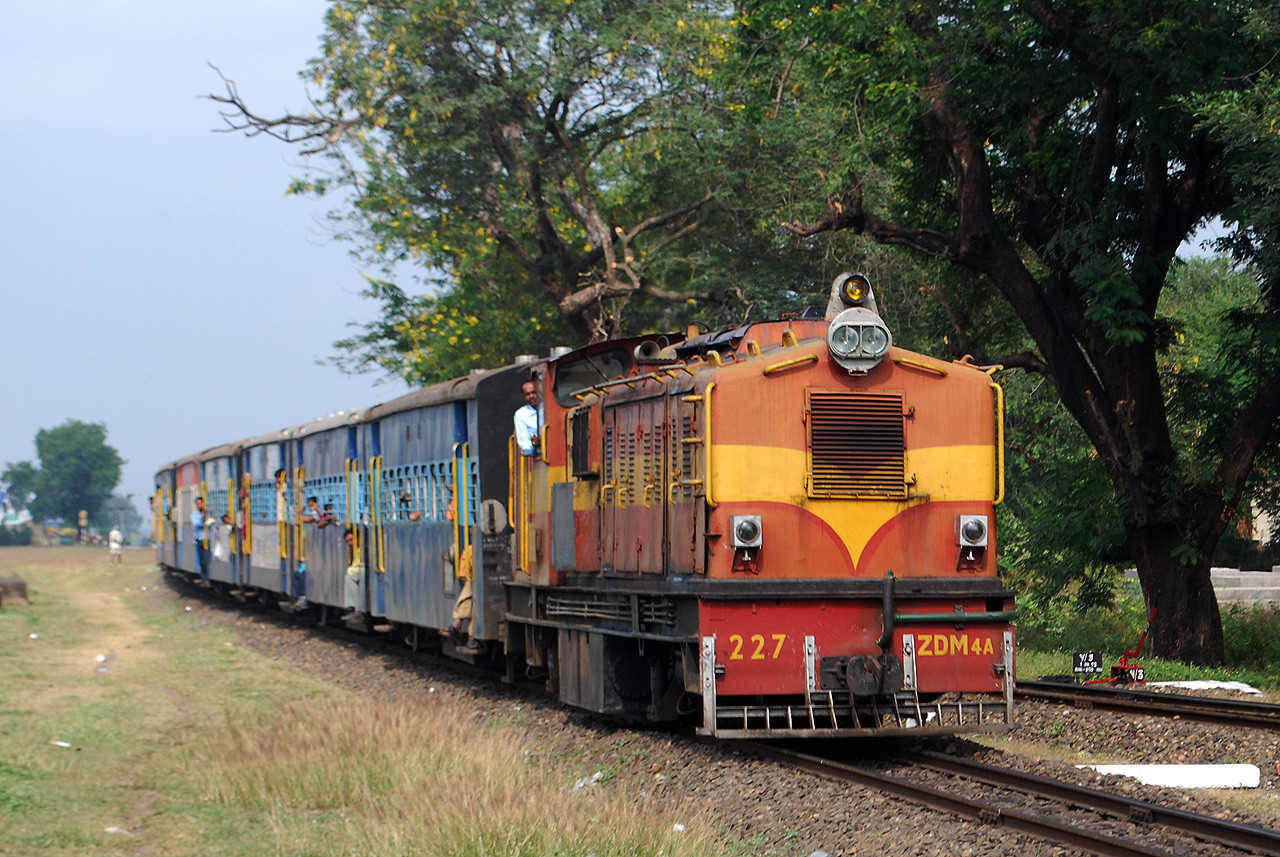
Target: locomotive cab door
{"type": "Point", "coordinates": [685, 487]}
{"type": "Point", "coordinates": [633, 527]}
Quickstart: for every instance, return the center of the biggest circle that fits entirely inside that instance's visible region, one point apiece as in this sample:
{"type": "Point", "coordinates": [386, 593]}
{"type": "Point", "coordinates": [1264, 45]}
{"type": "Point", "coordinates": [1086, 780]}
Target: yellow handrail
{"type": "Point", "coordinates": [916, 364]}
{"type": "Point", "coordinates": [204, 501]}
{"type": "Point", "coordinates": [299, 505]}
{"type": "Point", "coordinates": [774, 368]}
{"type": "Point", "coordinates": [465, 518]}
{"type": "Point", "coordinates": [248, 516]}
{"type": "Point", "coordinates": [351, 509]}
{"type": "Point", "coordinates": [457, 496]}
{"type": "Point", "coordinates": [231, 512]}
{"type": "Point", "coordinates": [789, 338]}
{"type": "Point", "coordinates": [999, 443]}
{"type": "Point", "coordinates": [282, 526]}
{"type": "Point", "coordinates": [511, 477]}
{"type": "Point", "coordinates": [379, 533]}
{"type": "Point", "coordinates": [706, 444]}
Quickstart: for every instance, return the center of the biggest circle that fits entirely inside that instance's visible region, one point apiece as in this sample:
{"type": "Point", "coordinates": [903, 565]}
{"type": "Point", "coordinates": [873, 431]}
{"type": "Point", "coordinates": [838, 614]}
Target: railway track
{"type": "Point", "coordinates": [1067, 828]}
{"type": "Point", "coordinates": [1234, 712]}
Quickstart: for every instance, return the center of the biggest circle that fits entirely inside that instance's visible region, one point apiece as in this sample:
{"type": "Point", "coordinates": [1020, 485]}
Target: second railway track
{"type": "Point", "coordinates": [1182, 832]}
{"type": "Point", "coordinates": [1233, 712]}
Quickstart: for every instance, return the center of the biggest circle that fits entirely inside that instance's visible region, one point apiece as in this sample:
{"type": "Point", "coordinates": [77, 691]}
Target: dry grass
{"type": "Point", "coordinates": [423, 777]}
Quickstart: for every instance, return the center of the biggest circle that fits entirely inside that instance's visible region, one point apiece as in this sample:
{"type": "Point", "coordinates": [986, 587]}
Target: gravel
{"type": "Point", "coordinates": [760, 803]}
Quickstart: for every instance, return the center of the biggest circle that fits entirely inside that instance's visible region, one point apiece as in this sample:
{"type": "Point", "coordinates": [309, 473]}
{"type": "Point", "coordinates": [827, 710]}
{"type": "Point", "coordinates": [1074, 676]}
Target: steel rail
{"type": "Point", "coordinates": [1260, 840]}
{"type": "Point", "coordinates": [1235, 712]}
{"type": "Point", "coordinates": [1022, 821]}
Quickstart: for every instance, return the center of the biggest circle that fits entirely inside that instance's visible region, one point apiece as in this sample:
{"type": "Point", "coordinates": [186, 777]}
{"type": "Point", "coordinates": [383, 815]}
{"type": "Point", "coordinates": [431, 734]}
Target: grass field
{"type": "Point", "coordinates": [181, 741]}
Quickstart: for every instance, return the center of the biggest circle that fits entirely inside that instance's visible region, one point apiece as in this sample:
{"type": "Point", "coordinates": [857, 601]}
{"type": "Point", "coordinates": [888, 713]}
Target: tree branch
{"type": "Point", "coordinates": [326, 131]}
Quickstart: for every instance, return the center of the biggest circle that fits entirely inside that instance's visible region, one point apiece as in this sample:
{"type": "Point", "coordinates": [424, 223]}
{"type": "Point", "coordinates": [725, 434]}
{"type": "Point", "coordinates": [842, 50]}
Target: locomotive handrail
{"type": "Point", "coordinates": [916, 364]}
{"type": "Point", "coordinates": [999, 444]}
{"type": "Point", "coordinates": [954, 618]}
{"type": "Point", "coordinates": [774, 368]}
{"type": "Point", "coordinates": [789, 338]}
{"type": "Point", "coordinates": [706, 445]}
{"type": "Point", "coordinates": [511, 477]}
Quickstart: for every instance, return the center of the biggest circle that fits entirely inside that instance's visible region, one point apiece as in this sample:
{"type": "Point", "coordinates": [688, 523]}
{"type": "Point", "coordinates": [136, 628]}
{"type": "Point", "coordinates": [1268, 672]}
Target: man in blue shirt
{"type": "Point", "coordinates": [197, 528]}
{"type": "Point", "coordinates": [527, 422]}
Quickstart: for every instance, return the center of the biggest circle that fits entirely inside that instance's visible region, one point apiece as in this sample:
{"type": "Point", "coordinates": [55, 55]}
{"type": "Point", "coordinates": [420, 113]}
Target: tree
{"type": "Point", "coordinates": [21, 477]}
{"type": "Point", "coordinates": [78, 470]}
{"type": "Point", "coordinates": [118, 510]}
{"type": "Point", "coordinates": [1063, 152]}
{"type": "Point", "coordinates": [512, 136]}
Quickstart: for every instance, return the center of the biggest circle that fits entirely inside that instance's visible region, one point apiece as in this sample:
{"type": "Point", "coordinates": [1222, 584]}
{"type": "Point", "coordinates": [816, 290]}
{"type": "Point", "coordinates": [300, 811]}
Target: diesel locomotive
{"type": "Point", "coordinates": [783, 529]}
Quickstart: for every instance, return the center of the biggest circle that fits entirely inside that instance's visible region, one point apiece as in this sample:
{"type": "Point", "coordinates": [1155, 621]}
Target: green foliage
{"type": "Point", "coordinates": [10, 536]}
{"type": "Point", "coordinates": [119, 510]}
{"type": "Point", "coordinates": [1048, 636]}
{"type": "Point", "coordinates": [78, 470]}
{"type": "Point", "coordinates": [525, 141]}
{"type": "Point", "coordinates": [21, 477]}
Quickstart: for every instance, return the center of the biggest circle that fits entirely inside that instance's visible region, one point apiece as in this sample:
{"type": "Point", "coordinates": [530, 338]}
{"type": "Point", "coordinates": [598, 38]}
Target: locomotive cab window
{"type": "Point", "coordinates": [580, 444]}
{"type": "Point", "coordinates": [589, 369]}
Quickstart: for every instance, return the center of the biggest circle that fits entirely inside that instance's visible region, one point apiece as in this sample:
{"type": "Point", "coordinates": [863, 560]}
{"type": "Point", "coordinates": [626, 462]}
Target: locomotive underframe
{"type": "Point", "coordinates": [632, 648]}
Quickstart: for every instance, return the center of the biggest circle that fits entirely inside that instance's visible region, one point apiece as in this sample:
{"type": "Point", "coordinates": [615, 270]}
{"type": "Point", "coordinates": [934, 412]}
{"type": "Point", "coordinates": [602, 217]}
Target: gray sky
{"type": "Point", "coordinates": [155, 276]}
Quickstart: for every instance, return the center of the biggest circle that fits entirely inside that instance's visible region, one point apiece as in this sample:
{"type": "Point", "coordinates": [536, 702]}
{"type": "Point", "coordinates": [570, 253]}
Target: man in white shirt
{"type": "Point", "coordinates": [527, 422]}
{"type": "Point", "coordinates": [115, 542]}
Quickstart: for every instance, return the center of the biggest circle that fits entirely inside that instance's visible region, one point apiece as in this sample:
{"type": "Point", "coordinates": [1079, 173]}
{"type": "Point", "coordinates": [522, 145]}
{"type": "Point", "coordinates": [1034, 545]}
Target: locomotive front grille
{"type": "Point", "coordinates": [856, 445]}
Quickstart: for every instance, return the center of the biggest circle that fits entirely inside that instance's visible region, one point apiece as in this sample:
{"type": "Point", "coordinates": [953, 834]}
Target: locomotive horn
{"type": "Point", "coordinates": [647, 351]}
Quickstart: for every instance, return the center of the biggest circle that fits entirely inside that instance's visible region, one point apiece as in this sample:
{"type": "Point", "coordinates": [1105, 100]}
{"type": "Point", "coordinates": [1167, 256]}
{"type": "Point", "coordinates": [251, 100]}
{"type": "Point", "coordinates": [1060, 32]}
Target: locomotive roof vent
{"type": "Point", "coordinates": [525, 358]}
{"type": "Point", "coordinates": [857, 337]}
{"type": "Point", "coordinates": [559, 351]}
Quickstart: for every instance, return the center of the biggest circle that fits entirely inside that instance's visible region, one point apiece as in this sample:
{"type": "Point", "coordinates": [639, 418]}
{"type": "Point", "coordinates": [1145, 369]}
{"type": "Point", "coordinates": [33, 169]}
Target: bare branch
{"type": "Point", "coordinates": [319, 131]}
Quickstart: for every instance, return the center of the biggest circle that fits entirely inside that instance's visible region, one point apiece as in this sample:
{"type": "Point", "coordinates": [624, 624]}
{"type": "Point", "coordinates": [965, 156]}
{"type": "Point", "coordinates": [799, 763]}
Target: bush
{"type": "Point", "coordinates": [15, 536]}
{"type": "Point", "coordinates": [1252, 636]}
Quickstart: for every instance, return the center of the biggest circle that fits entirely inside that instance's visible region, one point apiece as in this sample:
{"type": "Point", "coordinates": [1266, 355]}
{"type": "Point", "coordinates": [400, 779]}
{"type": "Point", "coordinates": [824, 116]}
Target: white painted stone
{"type": "Point", "coordinates": [1187, 776]}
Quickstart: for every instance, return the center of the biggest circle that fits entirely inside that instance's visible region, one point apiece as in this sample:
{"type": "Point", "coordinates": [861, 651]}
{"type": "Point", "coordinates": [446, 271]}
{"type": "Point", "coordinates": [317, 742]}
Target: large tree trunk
{"type": "Point", "coordinates": [1187, 626]}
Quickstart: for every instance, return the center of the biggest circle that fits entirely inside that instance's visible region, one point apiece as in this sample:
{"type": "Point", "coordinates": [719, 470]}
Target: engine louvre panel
{"type": "Point", "coordinates": [856, 445]}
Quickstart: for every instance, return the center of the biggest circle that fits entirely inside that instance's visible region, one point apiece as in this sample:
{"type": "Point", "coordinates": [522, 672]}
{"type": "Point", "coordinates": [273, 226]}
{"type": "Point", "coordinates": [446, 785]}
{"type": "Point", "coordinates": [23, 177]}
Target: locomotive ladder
{"type": "Point", "coordinates": [828, 713]}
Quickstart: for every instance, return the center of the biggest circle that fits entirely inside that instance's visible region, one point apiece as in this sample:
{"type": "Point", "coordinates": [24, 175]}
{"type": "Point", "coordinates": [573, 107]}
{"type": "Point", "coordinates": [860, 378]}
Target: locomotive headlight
{"type": "Point", "coordinates": [844, 340]}
{"type": "Point", "coordinates": [856, 287]}
{"type": "Point", "coordinates": [858, 340]}
{"type": "Point", "coordinates": [971, 531]}
{"type": "Point", "coordinates": [875, 340]}
{"type": "Point", "coordinates": [747, 531]}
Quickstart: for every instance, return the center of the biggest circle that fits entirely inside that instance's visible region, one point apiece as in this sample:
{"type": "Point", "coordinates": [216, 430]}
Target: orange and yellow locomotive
{"type": "Point", "coordinates": [781, 529]}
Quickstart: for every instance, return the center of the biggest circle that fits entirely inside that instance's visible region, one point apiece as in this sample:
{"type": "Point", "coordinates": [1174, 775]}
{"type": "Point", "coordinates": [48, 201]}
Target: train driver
{"type": "Point", "coordinates": [527, 420]}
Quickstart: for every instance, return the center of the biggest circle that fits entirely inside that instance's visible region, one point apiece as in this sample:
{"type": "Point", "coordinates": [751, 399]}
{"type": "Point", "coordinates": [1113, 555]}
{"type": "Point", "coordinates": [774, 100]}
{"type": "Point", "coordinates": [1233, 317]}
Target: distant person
{"type": "Point", "coordinates": [198, 523]}
{"type": "Point", "coordinates": [115, 545]}
{"type": "Point", "coordinates": [355, 579]}
{"type": "Point", "coordinates": [315, 515]}
{"type": "Point", "coordinates": [527, 422]}
{"type": "Point", "coordinates": [406, 508]}
{"type": "Point", "coordinates": [282, 496]}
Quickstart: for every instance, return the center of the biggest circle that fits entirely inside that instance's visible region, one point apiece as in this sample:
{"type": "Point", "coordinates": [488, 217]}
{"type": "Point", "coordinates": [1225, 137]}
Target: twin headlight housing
{"type": "Point", "coordinates": [856, 336]}
{"type": "Point", "coordinates": [858, 339]}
